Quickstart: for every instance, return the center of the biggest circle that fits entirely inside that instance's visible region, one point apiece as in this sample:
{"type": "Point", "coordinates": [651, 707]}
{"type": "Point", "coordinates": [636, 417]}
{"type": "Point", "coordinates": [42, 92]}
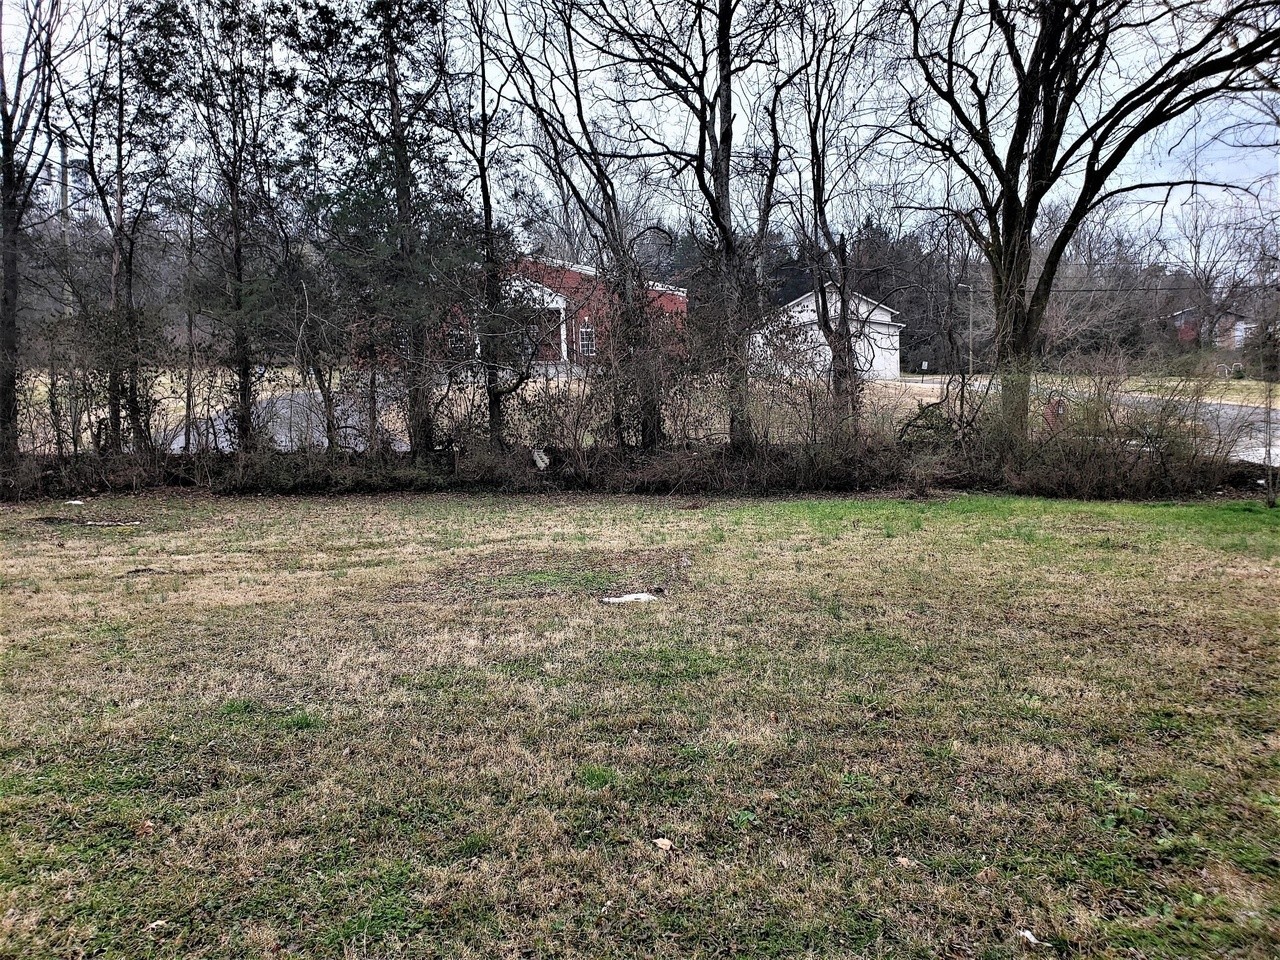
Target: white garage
{"type": "Point", "coordinates": [796, 343]}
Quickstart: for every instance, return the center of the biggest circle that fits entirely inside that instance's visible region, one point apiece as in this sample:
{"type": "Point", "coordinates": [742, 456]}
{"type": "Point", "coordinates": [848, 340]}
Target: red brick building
{"type": "Point", "coordinates": [580, 305]}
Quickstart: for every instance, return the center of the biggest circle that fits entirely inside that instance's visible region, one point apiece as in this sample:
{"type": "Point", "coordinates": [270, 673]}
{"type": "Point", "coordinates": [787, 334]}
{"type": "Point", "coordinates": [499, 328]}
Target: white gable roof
{"type": "Point", "coordinates": [806, 303]}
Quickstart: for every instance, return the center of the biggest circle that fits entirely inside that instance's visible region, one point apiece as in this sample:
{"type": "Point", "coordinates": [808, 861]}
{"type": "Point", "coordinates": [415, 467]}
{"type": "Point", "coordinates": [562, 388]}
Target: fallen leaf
{"type": "Point", "coordinates": [987, 875]}
{"type": "Point", "coordinates": [663, 844]}
{"type": "Point", "coordinates": [908, 863]}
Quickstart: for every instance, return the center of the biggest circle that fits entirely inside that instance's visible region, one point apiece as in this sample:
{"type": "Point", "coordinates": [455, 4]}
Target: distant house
{"type": "Point", "coordinates": [795, 341]}
{"type": "Point", "coordinates": [578, 306]}
{"type": "Point", "coordinates": [1225, 330]}
{"type": "Point", "coordinates": [1233, 330]}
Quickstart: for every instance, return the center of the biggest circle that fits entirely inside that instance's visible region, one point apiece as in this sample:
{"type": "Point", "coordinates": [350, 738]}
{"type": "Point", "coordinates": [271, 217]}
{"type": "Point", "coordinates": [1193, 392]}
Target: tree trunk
{"type": "Point", "coordinates": [135, 406]}
{"type": "Point", "coordinates": [645, 362]}
{"type": "Point", "coordinates": [114, 441]}
{"type": "Point", "coordinates": [139, 421]}
{"type": "Point", "coordinates": [188, 296]}
{"type": "Point", "coordinates": [55, 405]}
{"type": "Point", "coordinates": [635, 347]}
{"type": "Point", "coordinates": [742, 438]}
{"type": "Point", "coordinates": [9, 330]}
{"type": "Point", "coordinates": [1013, 363]}
{"type": "Point", "coordinates": [650, 394]}
{"type": "Point", "coordinates": [189, 393]}
{"type": "Point", "coordinates": [845, 379]}
{"type": "Point", "coordinates": [241, 352]}
{"type": "Point", "coordinates": [1017, 322]}
{"type": "Point", "coordinates": [373, 442]}
{"type": "Point", "coordinates": [242, 360]}
{"type": "Point", "coordinates": [422, 434]}
{"type": "Point", "coordinates": [64, 222]}
{"type": "Point", "coordinates": [325, 387]}
{"type": "Point", "coordinates": [497, 415]}
{"type": "Point", "coordinates": [1015, 404]}
{"type": "Point", "coordinates": [420, 414]}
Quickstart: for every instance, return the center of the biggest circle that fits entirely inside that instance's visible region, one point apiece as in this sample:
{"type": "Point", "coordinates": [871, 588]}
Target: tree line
{"type": "Point", "coordinates": [198, 194]}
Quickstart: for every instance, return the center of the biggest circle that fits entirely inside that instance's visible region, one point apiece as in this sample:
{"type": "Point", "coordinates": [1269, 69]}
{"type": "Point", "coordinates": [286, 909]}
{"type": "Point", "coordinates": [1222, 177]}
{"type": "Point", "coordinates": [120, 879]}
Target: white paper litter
{"type": "Point", "coordinates": [630, 598]}
{"type": "Point", "coordinates": [1030, 937]}
{"type": "Point", "coordinates": [74, 503]}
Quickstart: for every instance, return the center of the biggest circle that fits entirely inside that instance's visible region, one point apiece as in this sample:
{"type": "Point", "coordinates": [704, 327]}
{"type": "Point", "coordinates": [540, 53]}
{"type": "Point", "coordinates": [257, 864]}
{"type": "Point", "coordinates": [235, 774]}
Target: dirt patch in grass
{"type": "Point", "coordinates": [403, 726]}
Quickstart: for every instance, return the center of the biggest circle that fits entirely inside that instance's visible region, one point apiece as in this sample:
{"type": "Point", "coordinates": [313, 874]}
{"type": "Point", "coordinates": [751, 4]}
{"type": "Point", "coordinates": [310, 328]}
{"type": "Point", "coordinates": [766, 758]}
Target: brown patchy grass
{"type": "Point", "coordinates": [405, 727]}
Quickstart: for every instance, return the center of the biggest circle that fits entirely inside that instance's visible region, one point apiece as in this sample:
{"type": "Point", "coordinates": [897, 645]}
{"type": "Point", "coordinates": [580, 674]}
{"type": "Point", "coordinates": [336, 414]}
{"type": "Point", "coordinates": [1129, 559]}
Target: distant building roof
{"type": "Point", "coordinates": [581, 283]}
{"type": "Point", "coordinates": [867, 304]}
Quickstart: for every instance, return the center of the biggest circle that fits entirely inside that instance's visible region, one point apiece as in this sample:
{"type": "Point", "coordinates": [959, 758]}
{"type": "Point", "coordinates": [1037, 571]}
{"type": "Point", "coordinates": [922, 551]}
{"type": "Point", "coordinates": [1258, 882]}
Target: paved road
{"type": "Point", "coordinates": [293, 421]}
{"type": "Point", "coordinates": [1251, 422]}
{"type": "Point", "coordinates": [1243, 423]}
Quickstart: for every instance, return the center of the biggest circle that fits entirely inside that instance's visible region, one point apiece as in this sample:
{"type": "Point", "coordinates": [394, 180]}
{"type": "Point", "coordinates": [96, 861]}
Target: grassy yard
{"type": "Point", "coordinates": [1249, 393]}
{"type": "Point", "coordinates": [404, 727]}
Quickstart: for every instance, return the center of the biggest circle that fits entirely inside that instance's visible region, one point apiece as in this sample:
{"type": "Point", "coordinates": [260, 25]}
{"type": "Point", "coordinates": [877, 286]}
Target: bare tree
{"type": "Point", "coordinates": [587, 160]}
{"type": "Point", "coordinates": [374, 75]}
{"type": "Point", "coordinates": [235, 87]}
{"type": "Point", "coordinates": [479, 92]}
{"type": "Point", "coordinates": [34, 49]}
{"type": "Point", "coordinates": [682, 69]}
{"type": "Point", "coordinates": [120, 112]}
{"type": "Point", "coordinates": [830, 175]}
{"type": "Point", "coordinates": [1210, 247]}
{"type": "Point", "coordinates": [1046, 102]}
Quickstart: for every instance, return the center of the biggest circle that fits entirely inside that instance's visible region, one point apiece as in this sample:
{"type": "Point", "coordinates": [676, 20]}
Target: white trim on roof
{"type": "Point", "coordinates": [547, 296]}
{"type": "Point", "coordinates": [874, 304]}
{"type": "Point", "coordinates": [588, 271]}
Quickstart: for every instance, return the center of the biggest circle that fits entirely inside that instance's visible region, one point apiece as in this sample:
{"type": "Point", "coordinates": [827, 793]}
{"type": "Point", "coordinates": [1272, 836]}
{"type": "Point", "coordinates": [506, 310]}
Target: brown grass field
{"type": "Point", "coordinates": [405, 727]}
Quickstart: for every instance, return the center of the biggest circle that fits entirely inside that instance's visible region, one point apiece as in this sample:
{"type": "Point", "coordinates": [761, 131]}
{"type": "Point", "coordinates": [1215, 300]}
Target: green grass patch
{"type": "Point", "coordinates": [402, 726]}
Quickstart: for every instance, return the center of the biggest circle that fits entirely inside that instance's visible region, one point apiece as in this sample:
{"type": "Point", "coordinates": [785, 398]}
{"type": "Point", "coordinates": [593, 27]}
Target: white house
{"type": "Point", "coordinates": [795, 342]}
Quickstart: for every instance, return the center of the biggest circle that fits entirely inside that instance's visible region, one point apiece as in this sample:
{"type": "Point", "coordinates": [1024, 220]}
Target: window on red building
{"type": "Point", "coordinates": [587, 340]}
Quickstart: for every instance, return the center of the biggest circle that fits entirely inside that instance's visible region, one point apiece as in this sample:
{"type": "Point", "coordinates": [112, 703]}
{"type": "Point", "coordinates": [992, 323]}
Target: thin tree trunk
{"type": "Point", "coordinates": [646, 374]}
{"type": "Point", "coordinates": [113, 442]}
{"type": "Point", "coordinates": [241, 353]}
{"type": "Point", "coordinates": [189, 398]}
{"type": "Point", "coordinates": [64, 222]}
{"type": "Point", "coordinates": [372, 442]}
{"type": "Point", "coordinates": [55, 407]}
{"type": "Point", "coordinates": [325, 386]}
{"type": "Point", "coordinates": [9, 324]}
{"type": "Point", "coordinates": [741, 429]}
